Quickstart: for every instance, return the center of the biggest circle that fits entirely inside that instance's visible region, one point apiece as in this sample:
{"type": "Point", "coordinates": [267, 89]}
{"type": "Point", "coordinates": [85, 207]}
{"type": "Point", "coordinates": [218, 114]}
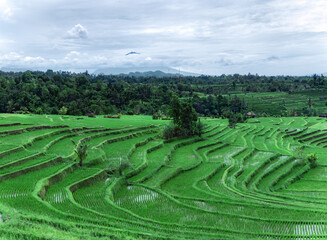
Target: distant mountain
{"type": "Point", "coordinates": [144, 71]}
{"type": "Point", "coordinates": [130, 71]}
{"type": "Point", "coordinates": [9, 69]}
{"type": "Point", "coordinates": [131, 53]}
{"type": "Point", "coordinates": [158, 74]}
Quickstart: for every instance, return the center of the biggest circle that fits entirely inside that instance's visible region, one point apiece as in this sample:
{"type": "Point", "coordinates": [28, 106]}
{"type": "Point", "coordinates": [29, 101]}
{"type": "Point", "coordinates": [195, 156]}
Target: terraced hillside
{"type": "Point", "coordinates": [276, 103]}
{"type": "Point", "coordinates": [248, 182]}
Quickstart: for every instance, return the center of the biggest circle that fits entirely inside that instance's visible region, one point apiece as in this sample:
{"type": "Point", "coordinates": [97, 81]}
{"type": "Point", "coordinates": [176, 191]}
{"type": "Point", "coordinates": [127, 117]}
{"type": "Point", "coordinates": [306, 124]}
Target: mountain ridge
{"type": "Point", "coordinates": [144, 71]}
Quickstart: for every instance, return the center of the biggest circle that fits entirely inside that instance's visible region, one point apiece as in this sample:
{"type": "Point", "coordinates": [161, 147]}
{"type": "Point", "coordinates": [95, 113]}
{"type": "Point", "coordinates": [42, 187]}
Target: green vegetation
{"type": "Point", "coordinates": [216, 157]}
{"type": "Point", "coordinates": [262, 179]}
{"type": "Point", "coordinates": [184, 120]}
{"type": "Point", "coordinates": [81, 151]}
{"type": "Point", "coordinates": [80, 94]}
{"type": "Point", "coordinates": [312, 158]}
{"type": "Point", "coordinates": [118, 167]}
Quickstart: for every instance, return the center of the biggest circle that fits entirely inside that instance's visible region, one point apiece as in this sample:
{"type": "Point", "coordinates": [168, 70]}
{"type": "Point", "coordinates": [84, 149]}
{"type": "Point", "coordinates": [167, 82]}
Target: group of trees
{"type": "Point", "coordinates": [78, 94]}
{"type": "Point", "coordinates": [185, 120]}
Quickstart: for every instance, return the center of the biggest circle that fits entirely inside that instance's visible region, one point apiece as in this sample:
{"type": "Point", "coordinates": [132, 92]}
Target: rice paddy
{"type": "Point", "coordinates": [249, 182]}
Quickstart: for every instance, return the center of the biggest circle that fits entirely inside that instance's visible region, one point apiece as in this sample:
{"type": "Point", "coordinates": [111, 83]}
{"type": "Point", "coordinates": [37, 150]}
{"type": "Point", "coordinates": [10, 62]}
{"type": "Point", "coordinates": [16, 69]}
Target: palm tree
{"type": "Point", "coordinates": [309, 104]}
{"type": "Point", "coordinates": [81, 151]}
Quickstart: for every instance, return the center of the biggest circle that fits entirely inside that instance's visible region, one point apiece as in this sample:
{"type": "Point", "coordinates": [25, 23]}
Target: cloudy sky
{"type": "Point", "coordinates": [203, 36]}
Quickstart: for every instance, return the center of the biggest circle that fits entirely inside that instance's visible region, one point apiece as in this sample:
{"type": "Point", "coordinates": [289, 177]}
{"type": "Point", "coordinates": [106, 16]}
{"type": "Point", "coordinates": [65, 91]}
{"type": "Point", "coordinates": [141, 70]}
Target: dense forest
{"type": "Point", "coordinates": [78, 94]}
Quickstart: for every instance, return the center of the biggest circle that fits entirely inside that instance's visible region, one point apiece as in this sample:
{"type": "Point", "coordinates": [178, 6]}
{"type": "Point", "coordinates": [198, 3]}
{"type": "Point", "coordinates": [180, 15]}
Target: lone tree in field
{"type": "Point", "coordinates": [310, 105]}
{"type": "Point", "coordinates": [81, 151]}
{"type": "Point", "coordinates": [184, 119]}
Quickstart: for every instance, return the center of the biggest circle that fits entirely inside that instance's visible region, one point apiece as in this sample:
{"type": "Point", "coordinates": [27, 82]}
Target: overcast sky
{"type": "Point", "coordinates": [270, 37]}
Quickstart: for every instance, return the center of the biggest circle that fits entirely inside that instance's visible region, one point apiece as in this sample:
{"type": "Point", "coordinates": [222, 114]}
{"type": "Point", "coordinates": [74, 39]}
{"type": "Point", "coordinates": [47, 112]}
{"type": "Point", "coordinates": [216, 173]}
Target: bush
{"type": "Point", "coordinates": [156, 116]}
{"type": "Point", "coordinates": [172, 130]}
{"type": "Point", "coordinates": [23, 110]}
{"type": "Point", "coordinates": [92, 115]}
{"type": "Point", "coordinates": [63, 110]}
{"type": "Point", "coordinates": [112, 116]}
{"type": "Point", "coordinates": [233, 119]}
{"type": "Point", "coordinates": [39, 110]}
{"type": "Point", "coordinates": [130, 112]}
{"type": "Point", "coordinates": [117, 168]}
{"type": "Point", "coordinates": [169, 131]}
{"type": "Point", "coordinates": [312, 158]}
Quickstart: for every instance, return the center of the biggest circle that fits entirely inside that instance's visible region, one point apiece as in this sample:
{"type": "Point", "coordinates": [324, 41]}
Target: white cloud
{"type": "Point", "coordinates": [180, 30]}
{"type": "Point", "coordinates": [73, 54]}
{"type": "Point", "coordinates": [81, 60]}
{"type": "Point", "coordinates": [77, 32]}
{"type": "Point", "coordinates": [6, 10]}
{"type": "Point", "coordinates": [300, 16]}
{"type": "Point", "coordinates": [12, 56]}
{"type": "Point", "coordinates": [14, 59]}
{"type": "Point", "coordinates": [33, 59]}
{"type": "Point", "coordinates": [73, 60]}
{"type": "Point", "coordinates": [7, 13]}
{"type": "Point", "coordinates": [225, 36]}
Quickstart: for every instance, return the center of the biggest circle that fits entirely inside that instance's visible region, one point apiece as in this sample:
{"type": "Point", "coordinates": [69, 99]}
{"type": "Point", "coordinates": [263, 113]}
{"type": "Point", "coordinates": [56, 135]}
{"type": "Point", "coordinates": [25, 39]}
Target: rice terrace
{"type": "Point", "coordinates": [247, 182]}
{"type": "Point", "coordinates": [163, 120]}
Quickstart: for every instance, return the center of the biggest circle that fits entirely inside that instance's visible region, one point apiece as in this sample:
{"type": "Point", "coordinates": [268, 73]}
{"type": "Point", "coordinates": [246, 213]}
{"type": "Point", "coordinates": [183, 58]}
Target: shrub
{"type": "Point", "coordinates": [117, 168]}
{"type": "Point", "coordinates": [112, 116]}
{"type": "Point", "coordinates": [39, 110]}
{"type": "Point", "coordinates": [169, 131]}
{"type": "Point", "coordinates": [23, 110]}
{"type": "Point", "coordinates": [156, 116]}
{"type": "Point", "coordinates": [312, 158]}
{"type": "Point", "coordinates": [63, 110]}
{"type": "Point", "coordinates": [299, 154]}
{"type": "Point", "coordinates": [92, 115]}
{"type": "Point", "coordinates": [130, 112]}
{"type": "Point", "coordinates": [233, 119]}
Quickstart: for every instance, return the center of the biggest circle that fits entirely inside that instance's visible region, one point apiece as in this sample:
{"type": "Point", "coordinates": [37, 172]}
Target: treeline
{"type": "Point", "coordinates": [78, 94]}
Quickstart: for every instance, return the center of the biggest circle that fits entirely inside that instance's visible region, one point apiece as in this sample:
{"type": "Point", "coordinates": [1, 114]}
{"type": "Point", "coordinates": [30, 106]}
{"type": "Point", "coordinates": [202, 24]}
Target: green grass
{"type": "Point", "coordinates": [247, 182]}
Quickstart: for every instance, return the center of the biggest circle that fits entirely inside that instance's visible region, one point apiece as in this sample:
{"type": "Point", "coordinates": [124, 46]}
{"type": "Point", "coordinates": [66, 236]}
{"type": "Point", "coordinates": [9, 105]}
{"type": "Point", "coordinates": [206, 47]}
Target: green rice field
{"type": "Point", "coordinates": [277, 103]}
{"type": "Point", "coordinates": [249, 182]}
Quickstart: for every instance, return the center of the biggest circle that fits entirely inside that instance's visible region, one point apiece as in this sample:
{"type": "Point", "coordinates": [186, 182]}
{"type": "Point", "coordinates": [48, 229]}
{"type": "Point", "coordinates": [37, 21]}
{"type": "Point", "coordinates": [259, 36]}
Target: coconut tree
{"type": "Point", "coordinates": [81, 151]}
